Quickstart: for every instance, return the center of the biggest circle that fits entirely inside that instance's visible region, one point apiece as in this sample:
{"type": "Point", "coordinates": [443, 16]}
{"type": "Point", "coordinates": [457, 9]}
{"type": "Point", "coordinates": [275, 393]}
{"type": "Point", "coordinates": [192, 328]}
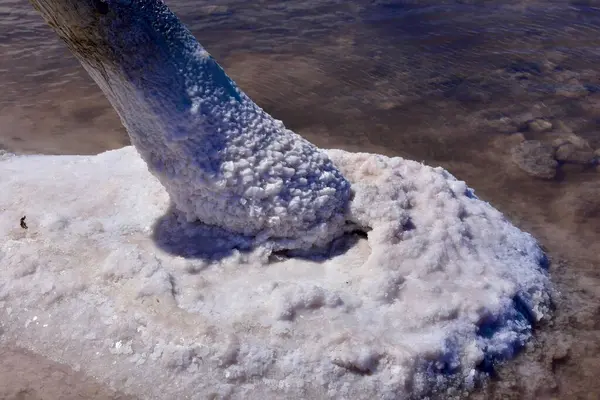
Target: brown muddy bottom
{"type": "Point", "coordinates": [28, 376]}
{"type": "Point", "coordinates": [504, 94]}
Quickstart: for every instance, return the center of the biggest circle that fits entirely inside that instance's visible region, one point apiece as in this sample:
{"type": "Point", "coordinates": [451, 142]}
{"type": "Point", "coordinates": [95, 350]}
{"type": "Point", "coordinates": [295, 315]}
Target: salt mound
{"type": "Point", "coordinates": [442, 286]}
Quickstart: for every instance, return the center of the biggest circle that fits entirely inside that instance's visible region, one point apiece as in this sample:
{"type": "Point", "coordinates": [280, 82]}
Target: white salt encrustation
{"type": "Point", "coordinates": [223, 160]}
{"type": "Point", "coordinates": [441, 287]}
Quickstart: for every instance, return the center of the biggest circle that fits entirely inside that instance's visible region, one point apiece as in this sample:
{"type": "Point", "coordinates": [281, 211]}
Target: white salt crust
{"type": "Point", "coordinates": [442, 284]}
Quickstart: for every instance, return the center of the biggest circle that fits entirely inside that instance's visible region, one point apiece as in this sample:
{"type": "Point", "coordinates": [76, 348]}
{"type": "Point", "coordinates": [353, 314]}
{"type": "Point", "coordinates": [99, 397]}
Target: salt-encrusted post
{"type": "Point", "coordinates": [223, 160]}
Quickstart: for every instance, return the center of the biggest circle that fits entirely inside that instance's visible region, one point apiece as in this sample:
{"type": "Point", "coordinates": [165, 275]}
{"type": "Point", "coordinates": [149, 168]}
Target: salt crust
{"type": "Point", "coordinates": [441, 286]}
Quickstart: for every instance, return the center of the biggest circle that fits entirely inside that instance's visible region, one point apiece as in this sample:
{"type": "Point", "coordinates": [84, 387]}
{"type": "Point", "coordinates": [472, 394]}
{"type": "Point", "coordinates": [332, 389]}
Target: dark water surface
{"type": "Point", "coordinates": [385, 73]}
{"type": "Point", "coordinates": [454, 83]}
